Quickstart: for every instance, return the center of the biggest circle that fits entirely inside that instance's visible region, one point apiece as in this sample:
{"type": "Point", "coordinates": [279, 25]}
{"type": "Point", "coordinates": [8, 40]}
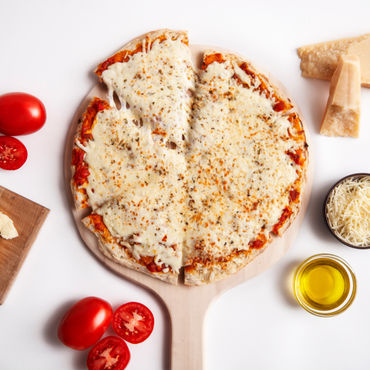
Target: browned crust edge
{"type": "Point", "coordinates": [138, 44]}
{"type": "Point", "coordinates": [126, 260]}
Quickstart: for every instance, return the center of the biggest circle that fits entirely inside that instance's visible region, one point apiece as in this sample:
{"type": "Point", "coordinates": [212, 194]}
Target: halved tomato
{"type": "Point", "coordinates": [109, 353]}
{"type": "Point", "coordinates": [13, 154]}
{"type": "Point", "coordinates": [133, 322]}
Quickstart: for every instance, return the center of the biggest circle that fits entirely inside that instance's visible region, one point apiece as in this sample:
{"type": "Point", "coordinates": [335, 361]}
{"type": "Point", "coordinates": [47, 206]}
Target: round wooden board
{"type": "Point", "coordinates": [186, 316]}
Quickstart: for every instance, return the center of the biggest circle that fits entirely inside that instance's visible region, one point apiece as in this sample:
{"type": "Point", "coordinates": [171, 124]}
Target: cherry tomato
{"type": "Point", "coordinates": [13, 153]}
{"type": "Point", "coordinates": [85, 323]}
{"type": "Point", "coordinates": [133, 322]}
{"type": "Point", "coordinates": [21, 114]}
{"type": "Point", "coordinates": [109, 353]}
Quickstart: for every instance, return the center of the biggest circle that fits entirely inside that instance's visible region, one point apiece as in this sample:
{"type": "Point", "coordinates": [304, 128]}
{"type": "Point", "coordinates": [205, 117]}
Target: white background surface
{"type": "Point", "coordinates": [49, 49]}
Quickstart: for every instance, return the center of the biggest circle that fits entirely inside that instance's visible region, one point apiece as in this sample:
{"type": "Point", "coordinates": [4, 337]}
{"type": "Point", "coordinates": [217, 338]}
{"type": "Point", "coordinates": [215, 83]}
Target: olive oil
{"type": "Point", "coordinates": [324, 284]}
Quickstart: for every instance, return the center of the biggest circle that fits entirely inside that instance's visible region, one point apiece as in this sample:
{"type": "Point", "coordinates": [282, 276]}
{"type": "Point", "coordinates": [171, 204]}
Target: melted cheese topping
{"type": "Point", "coordinates": [157, 85]}
{"type": "Point", "coordinates": [348, 211]}
{"type": "Point", "coordinates": [134, 183]}
{"type": "Point", "coordinates": [237, 156]}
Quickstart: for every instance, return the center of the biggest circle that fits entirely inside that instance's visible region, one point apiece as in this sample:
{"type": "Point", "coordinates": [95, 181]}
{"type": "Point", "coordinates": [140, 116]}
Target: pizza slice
{"type": "Point", "coordinates": [153, 75]}
{"type": "Point", "coordinates": [128, 155]}
{"type": "Point", "coordinates": [133, 187]}
{"type": "Point", "coordinates": [246, 161]}
{"type": "Point", "coordinates": [140, 233]}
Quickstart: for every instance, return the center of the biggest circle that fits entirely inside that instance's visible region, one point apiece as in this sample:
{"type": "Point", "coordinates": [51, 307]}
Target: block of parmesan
{"type": "Point", "coordinates": [342, 114]}
{"type": "Point", "coordinates": [320, 60]}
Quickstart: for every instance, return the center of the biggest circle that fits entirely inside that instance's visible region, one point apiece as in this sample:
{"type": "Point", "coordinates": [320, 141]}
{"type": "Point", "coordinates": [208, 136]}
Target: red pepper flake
{"type": "Point", "coordinates": [157, 131]}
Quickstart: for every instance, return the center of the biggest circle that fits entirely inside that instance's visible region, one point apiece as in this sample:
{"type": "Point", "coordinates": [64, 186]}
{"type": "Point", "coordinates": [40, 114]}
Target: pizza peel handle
{"type": "Point", "coordinates": [187, 307]}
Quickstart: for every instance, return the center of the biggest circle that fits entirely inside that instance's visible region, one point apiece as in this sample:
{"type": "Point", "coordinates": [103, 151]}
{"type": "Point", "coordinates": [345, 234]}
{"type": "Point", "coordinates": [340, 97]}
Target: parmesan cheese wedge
{"type": "Point", "coordinates": [7, 229]}
{"type": "Point", "coordinates": [321, 60]}
{"type": "Point", "coordinates": [342, 115]}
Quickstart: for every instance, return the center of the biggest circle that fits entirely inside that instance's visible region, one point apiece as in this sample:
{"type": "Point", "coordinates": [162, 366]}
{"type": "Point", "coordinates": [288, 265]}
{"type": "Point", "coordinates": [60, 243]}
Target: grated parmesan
{"type": "Point", "coordinates": [348, 211]}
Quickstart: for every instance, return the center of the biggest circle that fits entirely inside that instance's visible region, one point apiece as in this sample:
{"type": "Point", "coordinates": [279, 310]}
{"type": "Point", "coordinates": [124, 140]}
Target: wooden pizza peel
{"type": "Point", "coordinates": [187, 306]}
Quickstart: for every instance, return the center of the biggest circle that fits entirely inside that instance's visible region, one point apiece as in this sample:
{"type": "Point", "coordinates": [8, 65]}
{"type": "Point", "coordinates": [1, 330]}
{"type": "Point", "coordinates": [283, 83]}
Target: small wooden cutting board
{"type": "Point", "coordinates": [28, 218]}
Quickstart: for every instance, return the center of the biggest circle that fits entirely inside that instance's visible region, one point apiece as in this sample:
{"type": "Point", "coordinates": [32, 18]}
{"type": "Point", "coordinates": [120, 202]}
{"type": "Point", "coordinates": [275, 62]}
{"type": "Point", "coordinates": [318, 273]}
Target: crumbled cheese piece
{"type": "Point", "coordinates": [348, 211]}
{"type": "Point", "coordinates": [7, 229]}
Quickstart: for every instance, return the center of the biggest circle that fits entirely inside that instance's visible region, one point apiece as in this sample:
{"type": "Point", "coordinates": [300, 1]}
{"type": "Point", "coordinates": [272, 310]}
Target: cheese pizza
{"type": "Point", "coordinates": [184, 169]}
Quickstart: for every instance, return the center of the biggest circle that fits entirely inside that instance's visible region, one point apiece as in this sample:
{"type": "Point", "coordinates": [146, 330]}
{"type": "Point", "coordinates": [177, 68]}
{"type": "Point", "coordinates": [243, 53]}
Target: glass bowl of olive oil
{"type": "Point", "coordinates": [324, 285]}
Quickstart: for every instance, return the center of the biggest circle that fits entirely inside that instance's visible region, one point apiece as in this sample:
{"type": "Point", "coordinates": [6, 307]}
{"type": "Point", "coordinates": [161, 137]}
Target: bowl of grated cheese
{"type": "Point", "coordinates": [347, 210]}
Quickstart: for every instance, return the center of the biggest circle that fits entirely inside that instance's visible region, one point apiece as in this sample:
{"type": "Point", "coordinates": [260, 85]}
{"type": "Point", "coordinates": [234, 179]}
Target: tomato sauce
{"type": "Point", "coordinates": [284, 216]}
{"type": "Point", "coordinates": [123, 56]}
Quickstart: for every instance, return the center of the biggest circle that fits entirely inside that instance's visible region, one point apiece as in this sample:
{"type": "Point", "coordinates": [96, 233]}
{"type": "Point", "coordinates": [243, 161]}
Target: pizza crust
{"type": "Point", "coordinates": [126, 260]}
{"type": "Point", "coordinates": [200, 274]}
{"type": "Point", "coordinates": [140, 40]}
